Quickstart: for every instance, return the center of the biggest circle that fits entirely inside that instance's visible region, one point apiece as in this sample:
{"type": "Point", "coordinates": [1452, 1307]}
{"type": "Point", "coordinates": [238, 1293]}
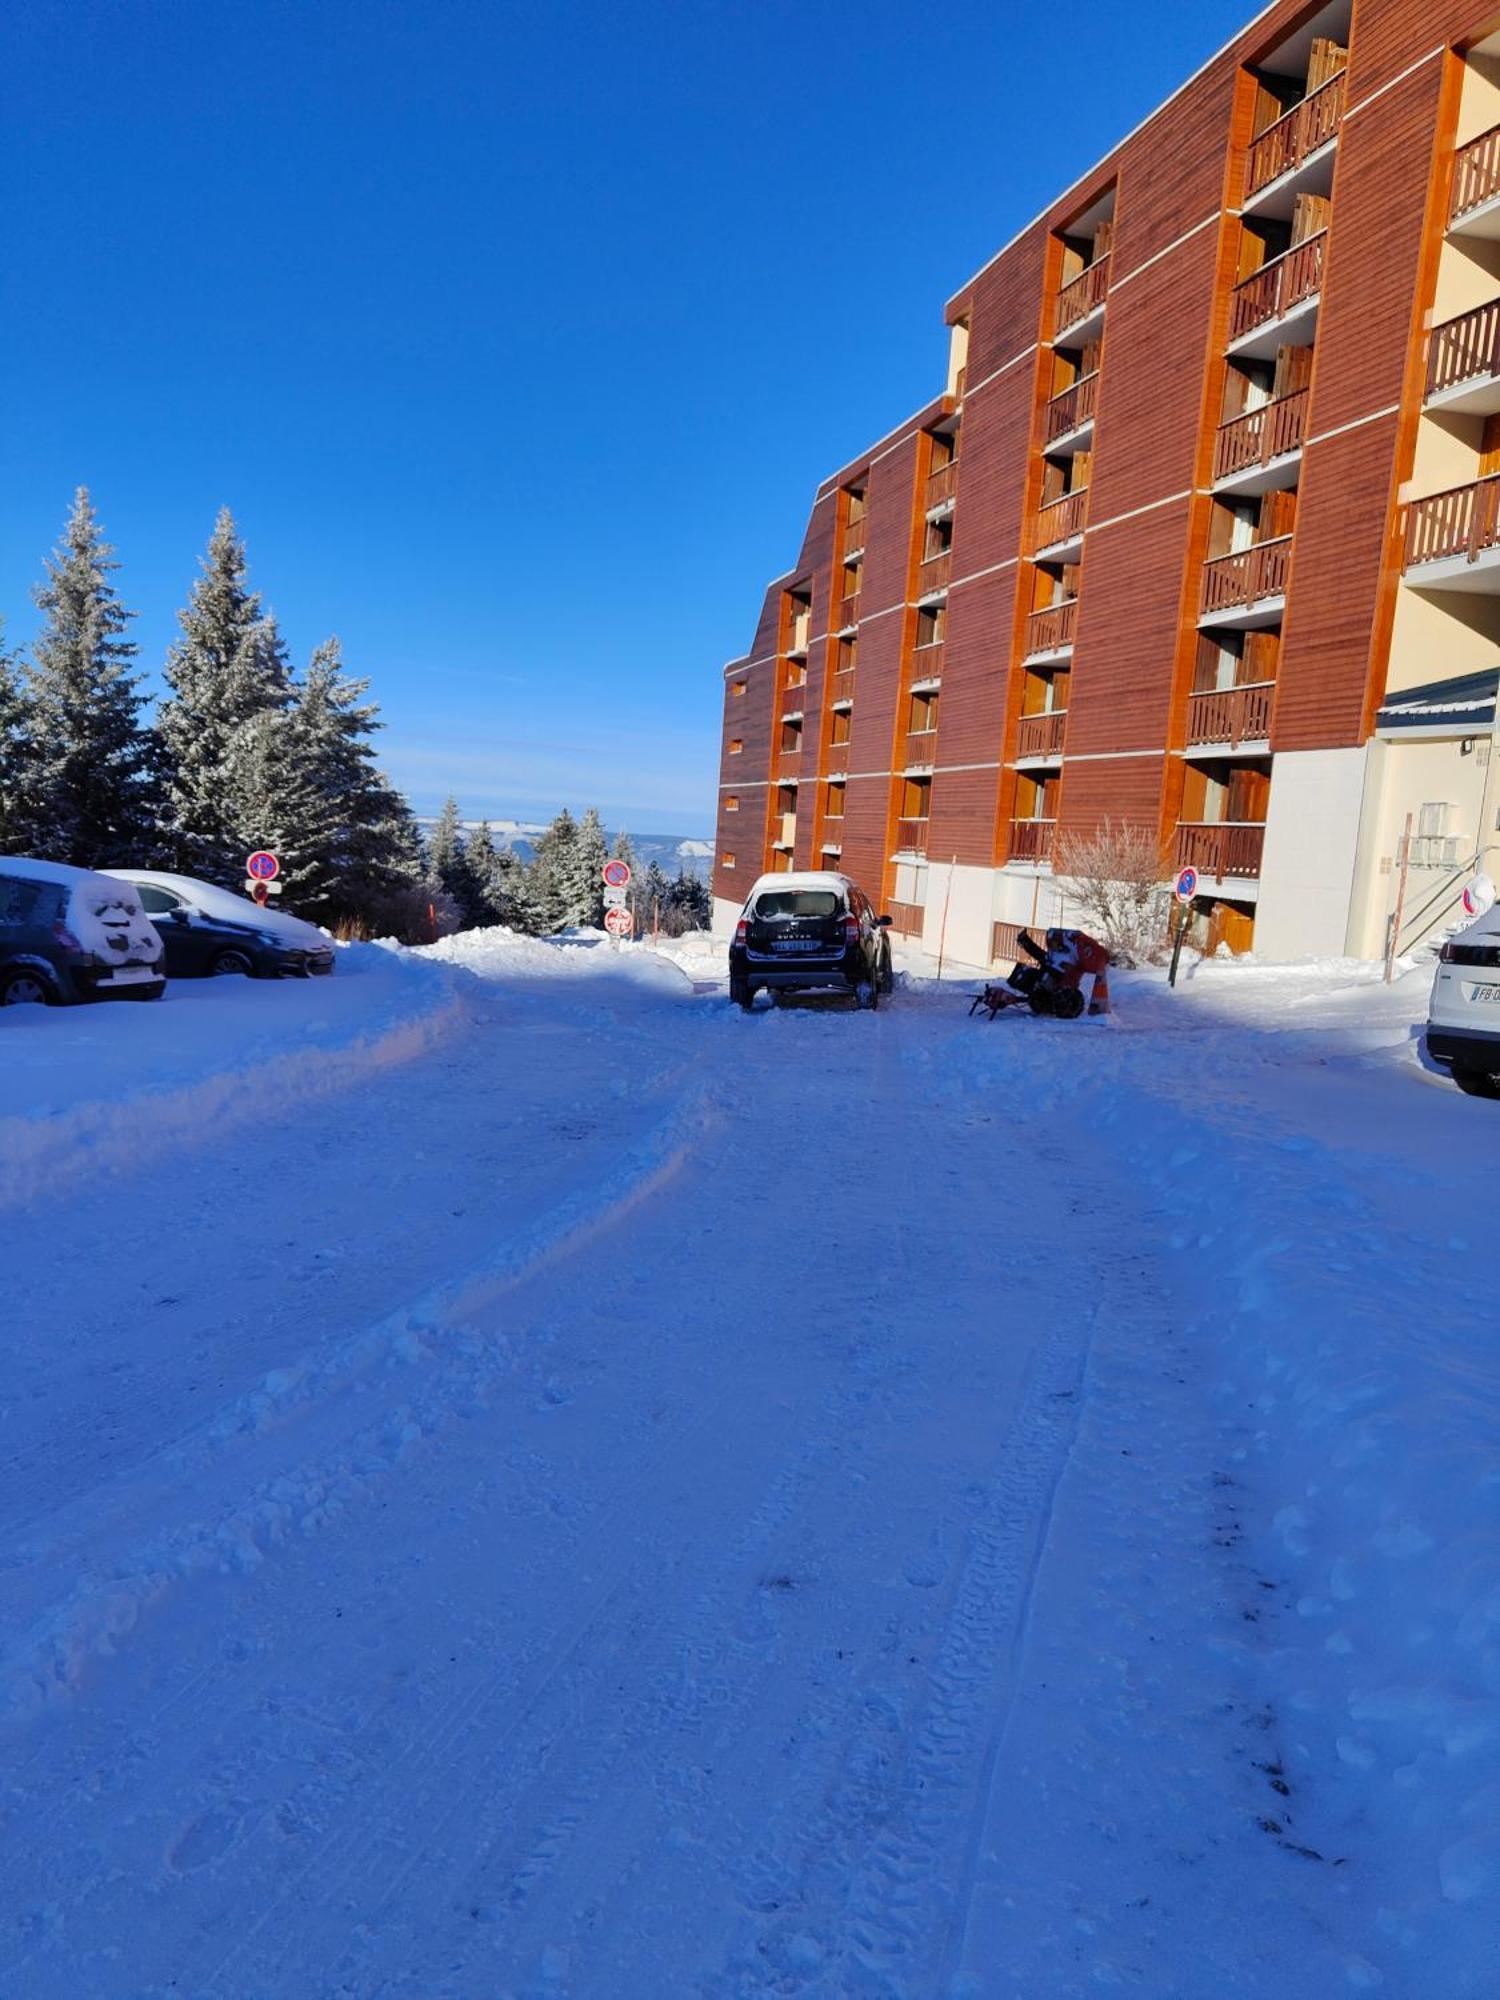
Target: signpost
{"type": "Point", "coordinates": [617, 874]}
{"type": "Point", "coordinates": [261, 871]}
{"type": "Point", "coordinates": [617, 918]}
{"type": "Point", "coordinates": [619, 923]}
{"type": "Point", "coordinates": [1185, 888]}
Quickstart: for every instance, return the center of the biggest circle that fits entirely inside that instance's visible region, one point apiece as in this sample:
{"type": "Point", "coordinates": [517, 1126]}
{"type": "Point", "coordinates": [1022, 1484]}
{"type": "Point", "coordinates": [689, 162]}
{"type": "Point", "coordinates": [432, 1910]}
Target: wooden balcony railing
{"type": "Point", "coordinates": [1224, 852]}
{"type": "Point", "coordinates": [942, 484]}
{"type": "Point", "coordinates": [1465, 521]}
{"type": "Point", "coordinates": [841, 686]}
{"type": "Point", "coordinates": [1031, 839]}
{"type": "Point", "coordinates": [1271, 292]}
{"type": "Point", "coordinates": [1247, 576]}
{"type": "Point", "coordinates": [1042, 735]}
{"type": "Point", "coordinates": [1465, 349]}
{"type": "Point", "coordinates": [1073, 407]}
{"type": "Point", "coordinates": [854, 536]}
{"type": "Point", "coordinates": [793, 700]}
{"type": "Point", "coordinates": [907, 918]}
{"type": "Point", "coordinates": [1296, 135]}
{"type": "Point", "coordinates": [1260, 435]}
{"type": "Point", "coordinates": [789, 762]}
{"type": "Point", "coordinates": [1050, 629]}
{"type": "Point", "coordinates": [1078, 299]}
{"type": "Point", "coordinates": [911, 836]}
{"type": "Point", "coordinates": [1476, 174]}
{"type": "Point", "coordinates": [1060, 520]}
{"type": "Point", "coordinates": [927, 661]}
{"type": "Point", "coordinates": [934, 573]}
{"type": "Point", "coordinates": [1005, 943]}
{"type": "Point", "coordinates": [1232, 716]}
{"type": "Point", "coordinates": [921, 746]}
{"type": "Point", "coordinates": [847, 612]}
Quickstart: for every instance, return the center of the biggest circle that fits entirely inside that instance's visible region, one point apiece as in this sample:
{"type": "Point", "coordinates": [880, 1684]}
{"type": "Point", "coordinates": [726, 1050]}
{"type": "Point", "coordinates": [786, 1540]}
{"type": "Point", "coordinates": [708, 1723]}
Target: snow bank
{"type": "Point", "coordinates": [505, 956]}
{"type": "Point", "coordinates": [97, 1088]}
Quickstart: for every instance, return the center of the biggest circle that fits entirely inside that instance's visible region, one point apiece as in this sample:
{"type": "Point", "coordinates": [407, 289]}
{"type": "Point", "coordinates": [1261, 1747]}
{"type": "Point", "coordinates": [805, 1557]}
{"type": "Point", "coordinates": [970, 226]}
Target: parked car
{"type": "Point", "coordinates": [67, 934]}
{"type": "Point", "coordinates": [1463, 1016]}
{"type": "Point", "coordinates": [211, 932]}
{"type": "Point", "coordinates": [809, 933]}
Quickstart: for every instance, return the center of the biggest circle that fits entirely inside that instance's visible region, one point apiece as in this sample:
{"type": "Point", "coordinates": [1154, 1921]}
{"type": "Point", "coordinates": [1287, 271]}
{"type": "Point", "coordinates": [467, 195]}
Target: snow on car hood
{"type": "Point", "coordinates": [226, 907]}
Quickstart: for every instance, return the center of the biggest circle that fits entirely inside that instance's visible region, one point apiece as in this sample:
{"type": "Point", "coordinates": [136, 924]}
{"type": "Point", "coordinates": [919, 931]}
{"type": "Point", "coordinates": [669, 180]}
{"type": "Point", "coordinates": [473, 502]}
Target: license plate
{"type": "Point", "coordinates": [1485, 996]}
{"type": "Point", "coordinates": [797, 944]}
{"type": "Point", "coordinates": [128, 975]}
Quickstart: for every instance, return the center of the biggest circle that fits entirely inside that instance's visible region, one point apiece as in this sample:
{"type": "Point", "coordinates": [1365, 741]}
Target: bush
{"type": "Point", "coordinates": [1116, 876]}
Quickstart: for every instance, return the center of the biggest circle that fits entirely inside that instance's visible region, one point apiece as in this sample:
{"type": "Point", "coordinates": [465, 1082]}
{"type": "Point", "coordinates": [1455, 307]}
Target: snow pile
{"type": "Point", "coordinates": [501, 955]}
{"type": "Point", "coordinates": [97, 1088]}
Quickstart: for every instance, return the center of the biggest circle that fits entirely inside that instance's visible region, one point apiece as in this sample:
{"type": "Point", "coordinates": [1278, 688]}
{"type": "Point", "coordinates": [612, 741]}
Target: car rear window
{"type": "Point", "coordinates": [21, 901]}
{"type": "Point", "coordinates": [783, 903]}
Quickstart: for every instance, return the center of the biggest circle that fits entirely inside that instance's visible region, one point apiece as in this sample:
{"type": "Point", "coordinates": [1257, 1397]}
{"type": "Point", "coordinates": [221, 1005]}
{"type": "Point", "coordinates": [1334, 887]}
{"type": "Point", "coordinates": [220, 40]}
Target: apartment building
{"type": "Point", "coordinates": [1201, 535]}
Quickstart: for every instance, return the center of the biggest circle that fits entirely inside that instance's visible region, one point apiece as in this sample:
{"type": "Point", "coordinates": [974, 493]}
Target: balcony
{"type": "Point", "coordinates": [1005, 944]}
{"type": "Point", "coordinates": [1059, 526]}
{"type": "Point", "coordinates": [911, 837]}
{"type": "Point", "coordinates": [1475, 206]}
{"type": "Point", "coordinates": [1070, 417]}
{"type": "Point", "coordinates": [1263, 448]}
{"type": "Point", "coordinates": [1080, 304]}
{"type": "Point", "coordinates": [854, 534]}
{"type": "Point", "coordinates": [1224, 852]}
{"type": "Point", "coordinates": [1040, 737]}
{"type": "Point", "coordinates": [1230, 717]}
{"type": "Point", "coordinates": [921, 748]}
{"type": "Point", "coordinates": [1248, 587]}
{"type": "Point", "coordinates": [841, 687]}
{"type": "Point", "coordinates": [942, 485]}
{"type": "Point", "coordinates": [1453, 538]}
{"type": "Point", "coordinates": [1463, 362]}
{"type": "Point", "coordinates": [927, 661]}
{"type": "Point", "coordinates": [1049, 632]}
{"type": "Point", "coordinates": [1278, 301]}
{"type": "Point", "coordinates": [1031, 840]}
{"type": "Point", "coordinates": [789, 762]}
{"type": "Point", "coordinates": [933, 574]}
{"type": "Point", "coordinates": [793, 700]}
{"type": "Point", "coordinates": [908, 918]}
{"type": "Point", "coordinates": [1292, 156]}
{"type": "Point", "coordinates": [847, 613]}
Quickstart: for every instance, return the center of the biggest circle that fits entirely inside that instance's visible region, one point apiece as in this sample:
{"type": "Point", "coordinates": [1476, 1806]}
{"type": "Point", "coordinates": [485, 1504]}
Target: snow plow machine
{"type": "Point", "coordinates": [1068, 977]}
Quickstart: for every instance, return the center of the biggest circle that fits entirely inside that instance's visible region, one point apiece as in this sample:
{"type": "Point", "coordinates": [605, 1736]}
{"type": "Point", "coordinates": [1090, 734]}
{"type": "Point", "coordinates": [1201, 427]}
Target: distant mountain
{"type": "Point", "coordinates": [670, 851]}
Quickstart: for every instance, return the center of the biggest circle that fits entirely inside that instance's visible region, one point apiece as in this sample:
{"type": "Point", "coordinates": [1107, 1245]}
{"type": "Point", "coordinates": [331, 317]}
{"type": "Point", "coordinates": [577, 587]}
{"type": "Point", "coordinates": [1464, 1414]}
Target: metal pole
{"type": "Point", "coordinates": [1395, 937]}
{"type": "Point", "coordinates": [1182, 930]}
{"type": "Point", "coordinates": [943, 926]}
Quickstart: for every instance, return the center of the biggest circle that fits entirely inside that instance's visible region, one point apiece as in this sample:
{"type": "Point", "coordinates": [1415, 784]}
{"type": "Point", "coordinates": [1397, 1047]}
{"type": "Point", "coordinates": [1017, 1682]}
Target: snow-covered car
{"type": "Point", "coordinates": [211, 932]}
{"type": "Point", "coordinates": [69, 934]}
{"type": "Point", "coordinates": [1463, 1016]}
{"type": "Point", "coordinates": [814, 932]}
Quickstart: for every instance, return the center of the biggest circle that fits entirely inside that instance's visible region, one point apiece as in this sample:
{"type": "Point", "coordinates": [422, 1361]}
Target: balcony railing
{"type": "Point", "coordinates": [927, 661]}
{"type": "Point", "coordinates": [1042, 735]}
{"type": "Point", "coordinates": [1005, 943]}
{"type": "Point", "coordinates": [1271, 292]}
{"type": "Point", "coordinates": [1050, 629]}
{"type": "Point", "coordinates": [789, 762]}
{"type": "Point", "coordinates": [1232, 716]}
{"type": "Point", "coordinates": [1476, 174]}
{"type": "Point", "coordinates": [921, 745]}
{"type": "Point", "coordinates": [1465, 521]}
{"type": "Point", "coordinates": [847, 612]}
{"type": "Point", "coordinates": [1260, 435]}
{"type": "Point", "coordinates": [1465, 349]}
{"type": "Point", "coordinates": [934, 573]}
{"type": "Point", "coordinates": [1031, 839]}
{"type": "Point", "coordinates": [1073, 407]}
{"type": "Point", "coordinates": [1078, 299]}
{"type": "Point", "coordinates": [793, 700]}
{"type": "Point", "coordinates": [841, 686]}
{"type": "Point", "coordinates": [942, 483]}
{"type": "Point", "coordinates": [911, 836]}
{"type": "Point", "coordinates": [907, 918]}
{"type": "Point", "coordinates": [854, 536]}
{"type": "Point", "coordinates": [1296, 135]}
{"type": "Point", "coordinates": [1222, 851]}
{"type": "Point", "coordinates": [1060, 520]}
{"type": "Point", "coordinates": [1247, 576]}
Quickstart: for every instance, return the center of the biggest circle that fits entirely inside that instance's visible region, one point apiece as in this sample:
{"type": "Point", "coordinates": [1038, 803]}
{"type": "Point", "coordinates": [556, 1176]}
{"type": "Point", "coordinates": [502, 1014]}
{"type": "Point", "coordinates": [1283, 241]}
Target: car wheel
{"type": "Point", "coordinates": [867, 995]}
{"type": "Point", "coordinates": [741, 995]}
{"type": "Point", "coordinates": [25, 988]}
{"type": "Point", "coordinates": [887, 973]}
{"type": "Point", "coordinates": [228, 964]}
{"type": "Point", "coordinates": [1476, 1082]}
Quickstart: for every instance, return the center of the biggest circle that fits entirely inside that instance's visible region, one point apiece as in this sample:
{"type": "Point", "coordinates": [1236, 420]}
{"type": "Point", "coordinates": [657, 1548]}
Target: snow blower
{"type": "Point", "coordinates": [1069, 977]}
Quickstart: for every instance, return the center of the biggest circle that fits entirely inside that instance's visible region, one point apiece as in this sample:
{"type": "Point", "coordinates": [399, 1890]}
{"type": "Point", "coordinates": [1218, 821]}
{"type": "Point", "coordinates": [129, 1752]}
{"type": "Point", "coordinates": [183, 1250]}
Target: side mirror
{"type": "Point", "coordinates": [884, 922]}
{"type": "Point", "coordinates": [178, 916]}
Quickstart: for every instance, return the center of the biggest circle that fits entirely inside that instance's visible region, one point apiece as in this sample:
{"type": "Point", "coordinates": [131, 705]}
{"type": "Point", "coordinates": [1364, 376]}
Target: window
{"type": "Point", "coordinates": [732, 802]}
{"type": "Point", "coordinates": [922, 715]}
{"type": "Point", "coordinates": [19, 901]}
{"type": "Point", "coordinates": [939, 537]}
{"type": "Point", "coordinates": [839, 734]}
{"type": "Point", "coordinates": [916, 796]}
{"type": "Point", "coordinates": [737, 688]}
{"type": "Point", "coordinates": [834, 807]}
{"type": "Point", "coordinates": [849, 580]}
{"type": "Point", "coordinates": [843, 662]}
{"type": "Point", "coordinates": [786, 798]}
{"type": "Point", "coordinates": [854, 519]}
{"type": "Point", "coordinates": [931, 620]}
{"type": "Point", "coordinates": [944, 450]}
{"type": "Point", "coordinates": [791, 738]}
{"type": "Point", "coordinates": [786, 905]}
{"type": "Point", "coordinates": [157, 902]}
{"type": "Point", "coordinates": [735, 746]}
{"type": "Point", "coordinates": [726, 860]}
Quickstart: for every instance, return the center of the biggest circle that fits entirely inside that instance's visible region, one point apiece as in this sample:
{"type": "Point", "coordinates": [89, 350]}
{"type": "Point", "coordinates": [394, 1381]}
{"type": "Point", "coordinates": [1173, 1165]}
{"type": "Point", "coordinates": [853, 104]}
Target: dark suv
{"type": "Point", "coordinates": [67, 934]}
{"type": "Point", "coordinates": [813, 933]}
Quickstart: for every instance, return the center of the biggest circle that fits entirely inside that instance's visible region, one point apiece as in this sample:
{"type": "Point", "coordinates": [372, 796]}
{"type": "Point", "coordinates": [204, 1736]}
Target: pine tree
{"type": "Point", "coordinates": [591, 854]}
{"type": "Point", "coordinates": [228, 667]}
{"type": "Point", "coordinates": [89, 763]}
{"type": "Point", "coordinates": [446, 859]}
{"type": "Point", "coordinates": [553, 876]}
{"type": "Point", "coordinates": [692, 907]}
{"type": "Point", "coordinates": [272, 799]}
{"type": "Point", "coordinates": [512, 896]}
{"type": "Point", "coordinates": [481, 865]}
{"type": "Point", "coordinates": [14, 752]}
{"type": "Point", "coordinates": [656, 892]}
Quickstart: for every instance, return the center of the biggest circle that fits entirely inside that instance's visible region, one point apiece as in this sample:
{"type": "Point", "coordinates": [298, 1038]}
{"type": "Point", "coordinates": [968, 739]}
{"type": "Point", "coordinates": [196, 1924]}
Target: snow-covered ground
{"type": "Point", "coordinates": [525, 1482]}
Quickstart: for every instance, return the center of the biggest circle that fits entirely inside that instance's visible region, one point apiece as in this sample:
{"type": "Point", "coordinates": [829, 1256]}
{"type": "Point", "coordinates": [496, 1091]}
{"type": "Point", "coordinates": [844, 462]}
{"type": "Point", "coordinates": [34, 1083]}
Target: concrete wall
{"type": "Point", "coordinates": [1307, 874]}
{"type": "Point", "coordinates": [1403, 777]}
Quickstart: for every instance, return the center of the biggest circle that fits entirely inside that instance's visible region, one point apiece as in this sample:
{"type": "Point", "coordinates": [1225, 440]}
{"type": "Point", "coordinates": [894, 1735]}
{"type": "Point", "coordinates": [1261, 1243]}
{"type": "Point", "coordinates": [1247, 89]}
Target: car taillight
{"type": "Point", "coordinates": [741, 931]}
{"type": "Point", "coordinates": [1446, 954]}
{"type": "Point", "coordinates": [65, 937]}
{"type": "Point", "coordinates": [851, 929]}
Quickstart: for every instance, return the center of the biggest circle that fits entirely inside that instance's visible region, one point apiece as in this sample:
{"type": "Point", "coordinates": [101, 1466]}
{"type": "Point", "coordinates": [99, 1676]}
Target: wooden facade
{"type": "Point", "coordinates": [1182, 417]}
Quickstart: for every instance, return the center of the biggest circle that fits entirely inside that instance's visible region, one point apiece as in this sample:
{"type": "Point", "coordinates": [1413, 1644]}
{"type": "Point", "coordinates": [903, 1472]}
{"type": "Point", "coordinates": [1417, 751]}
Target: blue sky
{"type": "Point", "coordinates": [516, 337]}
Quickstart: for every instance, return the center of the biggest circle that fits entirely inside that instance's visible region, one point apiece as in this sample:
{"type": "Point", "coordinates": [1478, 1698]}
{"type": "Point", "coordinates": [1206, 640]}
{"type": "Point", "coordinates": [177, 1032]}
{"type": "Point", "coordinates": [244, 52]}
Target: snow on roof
{"type": "Point", "coordinates": [1466, 699]}
{"type": "Point", "coordinates": [807, 878]}
{"type": "Point", "coordinates": [46, 871]}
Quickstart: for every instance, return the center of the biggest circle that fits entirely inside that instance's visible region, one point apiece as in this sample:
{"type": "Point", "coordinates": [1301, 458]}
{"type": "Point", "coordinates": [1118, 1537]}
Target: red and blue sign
{"type": "Point", "coordinates": [1187, 885]}
{"type": "Point", "coordinates": [617, 874]}
{"type": "Point", "coordinates": [262, 866]}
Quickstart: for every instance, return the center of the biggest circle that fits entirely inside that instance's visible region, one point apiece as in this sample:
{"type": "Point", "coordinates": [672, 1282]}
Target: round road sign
{"type": "Point", "coordinates": [262, 866]}
{"type": "Point", "coordinates": [619, 923]}
{"type": "Point", "coordinates": [617, 874]}
{"type": "Point", "coordinates": [1187, 885]}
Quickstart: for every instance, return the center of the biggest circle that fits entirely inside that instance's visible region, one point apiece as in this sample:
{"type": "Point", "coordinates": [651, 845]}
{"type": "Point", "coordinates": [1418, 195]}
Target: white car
{"type": "Point", "coordinates": [1463, 1017]}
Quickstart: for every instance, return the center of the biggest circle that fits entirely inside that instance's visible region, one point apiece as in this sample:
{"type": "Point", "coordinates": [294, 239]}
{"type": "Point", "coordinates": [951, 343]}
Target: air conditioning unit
{"type": "Point", "coordinates": [1434, 818]}
{"type": "Point", "coordinates": [1436, 851]}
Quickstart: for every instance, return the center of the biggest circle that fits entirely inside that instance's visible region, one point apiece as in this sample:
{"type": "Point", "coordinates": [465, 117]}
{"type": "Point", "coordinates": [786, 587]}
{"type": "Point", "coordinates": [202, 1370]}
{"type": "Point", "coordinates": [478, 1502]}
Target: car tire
{"type": "Point", "coordinates": [741, 995]}
{"type": "Point", "coordinates": [25, 987]}
{"type": "Point", "coordinates": [1476, 1082]}
{"type": "Point", "coordinates": [230, 964]}
{"type": "Point", "coordinates": [887, 981]}
{"type": "Point", "coordinates": [867, 995]}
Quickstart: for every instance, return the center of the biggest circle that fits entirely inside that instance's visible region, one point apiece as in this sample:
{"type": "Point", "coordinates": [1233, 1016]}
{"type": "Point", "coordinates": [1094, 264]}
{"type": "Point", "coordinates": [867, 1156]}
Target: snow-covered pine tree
{"type": "Point", "coordinates": [656, 894]}
{"type": "Point", "coordinates": [481, 874]}
{"type": "Point", "coordinates": [273, 799]}
{"type": "Point", "coordinates": [512, 896]}
{"type": "Point", "coordinates": [88, 760]}
{"type": "Point", "coordinates": [592, 853]}
{"type": "Point", "coordinates": [13, 751]}
{"type": "Point", "coordinates": [692, 907]}
{"type": "Point", "coordinates": [446, 859]}
{"type": "Point", "coordinates": [553, 875]}
{"type": "Point", "coordinates": [228, 666]}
